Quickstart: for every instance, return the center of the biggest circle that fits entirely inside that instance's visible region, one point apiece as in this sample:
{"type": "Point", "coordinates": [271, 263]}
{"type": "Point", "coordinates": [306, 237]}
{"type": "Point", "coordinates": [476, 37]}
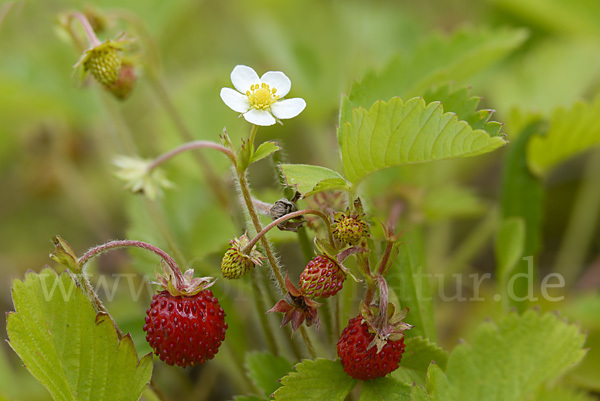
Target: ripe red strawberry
{"type": "Point", "coordinates": [185, 330]}
{"type": "Point", "coordinates": [185, 324]}
{"type": "Point", "coordinates": [322, 277]}
{"type": "Point", "coordinates": [362, 362]}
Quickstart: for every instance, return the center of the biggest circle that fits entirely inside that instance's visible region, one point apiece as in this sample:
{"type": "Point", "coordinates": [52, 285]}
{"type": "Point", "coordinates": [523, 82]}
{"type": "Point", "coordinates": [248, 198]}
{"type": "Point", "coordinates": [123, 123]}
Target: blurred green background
{"type": "Point", "coordinates": [58, 135]}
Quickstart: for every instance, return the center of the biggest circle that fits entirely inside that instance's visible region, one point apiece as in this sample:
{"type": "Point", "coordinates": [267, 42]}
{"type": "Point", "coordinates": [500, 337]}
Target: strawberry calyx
{"type": "Point", "coordinates": [253, 255]}
{"type": "Point", "coordinates": [383, 320]}
{"type": "Point", "coordinates": [178, 284]}
{"type": "Point", "coordinates": [296, 308]}
{"type": "Point", "coordinates": [327, 250]}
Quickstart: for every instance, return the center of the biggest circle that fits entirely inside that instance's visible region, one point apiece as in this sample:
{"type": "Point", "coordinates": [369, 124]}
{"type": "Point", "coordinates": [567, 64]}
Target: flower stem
{"type": "Point", "coordinates": [262, 317]}
{"type": "Point", "coordinates": [288, 216]}
{"type": "Point", "coordinates": [253, 137]}
{"type": "Point", "coordinates": [211, 177]}
{"type": "Point", "coordinates": [273, 263]}
{"type": "Point", "coordinates": [190, 146]}
{"type": "Point", "coordinates": [109, 246]}
{"type": "Point", "coordinates": [89, 31]}
{"type": "Point", "coordinates": [257, 226]}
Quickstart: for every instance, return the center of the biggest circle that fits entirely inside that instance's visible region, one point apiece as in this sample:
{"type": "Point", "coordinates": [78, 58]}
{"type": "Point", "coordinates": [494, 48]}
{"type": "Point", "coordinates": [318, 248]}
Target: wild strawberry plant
{"type": "Point", "coordinates": [327, 285]}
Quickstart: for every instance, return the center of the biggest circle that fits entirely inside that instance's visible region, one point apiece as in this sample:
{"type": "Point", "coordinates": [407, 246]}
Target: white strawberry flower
{"type": "Point", "coordinates": [259, 99]}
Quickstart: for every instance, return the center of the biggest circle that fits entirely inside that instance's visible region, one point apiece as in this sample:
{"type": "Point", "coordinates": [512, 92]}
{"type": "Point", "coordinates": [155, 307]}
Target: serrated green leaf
{"type": "Point", "coordinates": [571, 131]}
{"type": "Point", "coordinates": [308, 179]}
{"type": "Point", "coordinates": [73, 352]}
{"type": "Point", "coordinates": [265, 370]}
{"type": "Point", "coordinates": [511, 359]}
{"type": "Point", "coordinates": [510, 242]}
{"type": "Point", "coordinates": [418, 354]}
{"type": "Point", "coordinates": [407, 279]}
{"type": "Point", "coordinates": [385, 389]}
{"type": "Point", "coordinates": [460, 102]}
{"type": "Point", "coordinates": [394, 133]}
{"type": "Point", "coordinates": [265, 149]}
{"type": "Point", "coordinates": [437, 388]}
{"type": "Point", "coordinates": [436, 61]}
{"type": "Point", "coordinates": [320, 379]}
{"type": "Point", "coordinates": [587, 373]}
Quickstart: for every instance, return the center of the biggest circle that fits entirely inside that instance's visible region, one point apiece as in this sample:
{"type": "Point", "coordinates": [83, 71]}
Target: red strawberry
{"type": "Point", "coordinates": [185, 330]}
{"type": "Point", "coordinates": [185, 324]}
{"type": "Point", "coordinates": [360, 358]}
{"type": "Point", "coordinates": [322, 277]}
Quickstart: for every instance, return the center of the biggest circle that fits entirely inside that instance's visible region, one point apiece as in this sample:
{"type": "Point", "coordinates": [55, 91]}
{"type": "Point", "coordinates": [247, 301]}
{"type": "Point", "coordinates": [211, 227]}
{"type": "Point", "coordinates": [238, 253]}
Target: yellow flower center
{"type": "Point", "coordinates": [261, 96]}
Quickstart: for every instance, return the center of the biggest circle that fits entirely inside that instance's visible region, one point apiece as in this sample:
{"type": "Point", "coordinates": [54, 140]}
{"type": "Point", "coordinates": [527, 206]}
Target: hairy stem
{"type": "Point", "coordinates": [289, 216]}
{"type": "Point", "coordinates": [273, 263]}
{"type": "Point", "coordinates": [89, 31]}
{"type": "Point", "coordinates": [262, 317]}
{"type": "Point", "coordinates": [213, 180]}
{"type": "Point", "coordinates": [190, 146]}
{"type": "Point", "coordinates": [109, 246]}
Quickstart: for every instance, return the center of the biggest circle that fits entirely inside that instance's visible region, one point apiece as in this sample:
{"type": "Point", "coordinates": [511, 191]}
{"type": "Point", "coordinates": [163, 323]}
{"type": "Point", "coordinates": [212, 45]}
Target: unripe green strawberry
{"type": "Point", "coordinates": [350, 228]}
{"type": "Point", "coordinates": [104, 63]}
{"type": "Point", "coordinates": [236, 262]}
{"type": "Point", "coordinates": [322, 277]}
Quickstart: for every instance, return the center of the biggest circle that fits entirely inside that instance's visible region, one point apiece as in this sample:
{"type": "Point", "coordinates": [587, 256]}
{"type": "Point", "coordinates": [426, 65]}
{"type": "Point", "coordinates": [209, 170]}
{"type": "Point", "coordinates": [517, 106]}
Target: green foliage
{"type": "Point", "coordinates": [248, 398]}
{"type": "Point", "coordinates": [319, 379]}
{"type": "Point", "coordinates": [265, 149]}
{"type": "Point", "coordinates": [436, 389]}
{"type": "Point", "coordinates": [450, 201]}
{"type": "Point", "coordinates": [570, 132]}
{"type": "Point", "coordinates": [560, 16]}
{"type": "Point", "coordinates": [385, 389]}
{"type": "Point", "coordinates": [265, 369]}
{"type": "Point", "coordinates": [309, 179]}
{"type": "Point", "coordinates": [459, 102]}
{"type": "Point", "coordinates": [510, 360]}
{"type": "Point", "coordinates": [397, 132]}
{"type": "Point", "coordinates": [522, 196]}
{"type": "Point", "coordinates": [418, 354]}
{"type": "Point", "coordinates": [78, 355]}
{"type": "Point", "coordinates": [510, 240]}
{"type": "Point", "coordinates": [436, 61]}
{"type": "Point", "coordinates": [407, 279]}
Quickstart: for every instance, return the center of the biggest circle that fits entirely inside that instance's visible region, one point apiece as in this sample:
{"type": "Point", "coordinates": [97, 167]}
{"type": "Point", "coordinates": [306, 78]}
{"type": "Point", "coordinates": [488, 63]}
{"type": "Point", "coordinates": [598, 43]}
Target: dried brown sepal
{"type": "Point", "coordinates": [296, 308]}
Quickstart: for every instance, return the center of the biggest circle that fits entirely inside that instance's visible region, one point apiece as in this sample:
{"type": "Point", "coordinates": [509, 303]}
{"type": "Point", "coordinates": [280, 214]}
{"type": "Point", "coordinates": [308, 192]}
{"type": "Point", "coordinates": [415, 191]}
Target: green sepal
{"type": "Point", "coordinates": [265, 149]}
{"type": "Point", "coordinates": [64, 254]}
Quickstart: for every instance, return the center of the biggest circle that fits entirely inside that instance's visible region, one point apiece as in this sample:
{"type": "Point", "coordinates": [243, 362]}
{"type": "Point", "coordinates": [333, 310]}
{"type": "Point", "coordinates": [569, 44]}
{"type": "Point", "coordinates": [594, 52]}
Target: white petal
{"type": "Point", "coordinates": [277, 79]}
{"type": "Point", "coordinates": [235, 100]}
{"type": "Point", "coordinates": [288, 108]}
{"type": "Point", "coordinates": [243, 77]}
{"type": "Point", "coordinates": [259, 117]}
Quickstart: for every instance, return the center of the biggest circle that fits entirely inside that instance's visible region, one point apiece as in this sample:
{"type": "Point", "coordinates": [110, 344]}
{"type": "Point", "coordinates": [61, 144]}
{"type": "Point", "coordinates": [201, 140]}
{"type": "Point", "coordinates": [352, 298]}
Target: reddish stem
{"type": "Point", "coordinates": [89, 31]}
{"type": "Point", "coordinates": [193, 145]}
{"type": "Point", "coordinates": [133, 244]}
{"type": "Point", "coordinates": [289, 216]}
